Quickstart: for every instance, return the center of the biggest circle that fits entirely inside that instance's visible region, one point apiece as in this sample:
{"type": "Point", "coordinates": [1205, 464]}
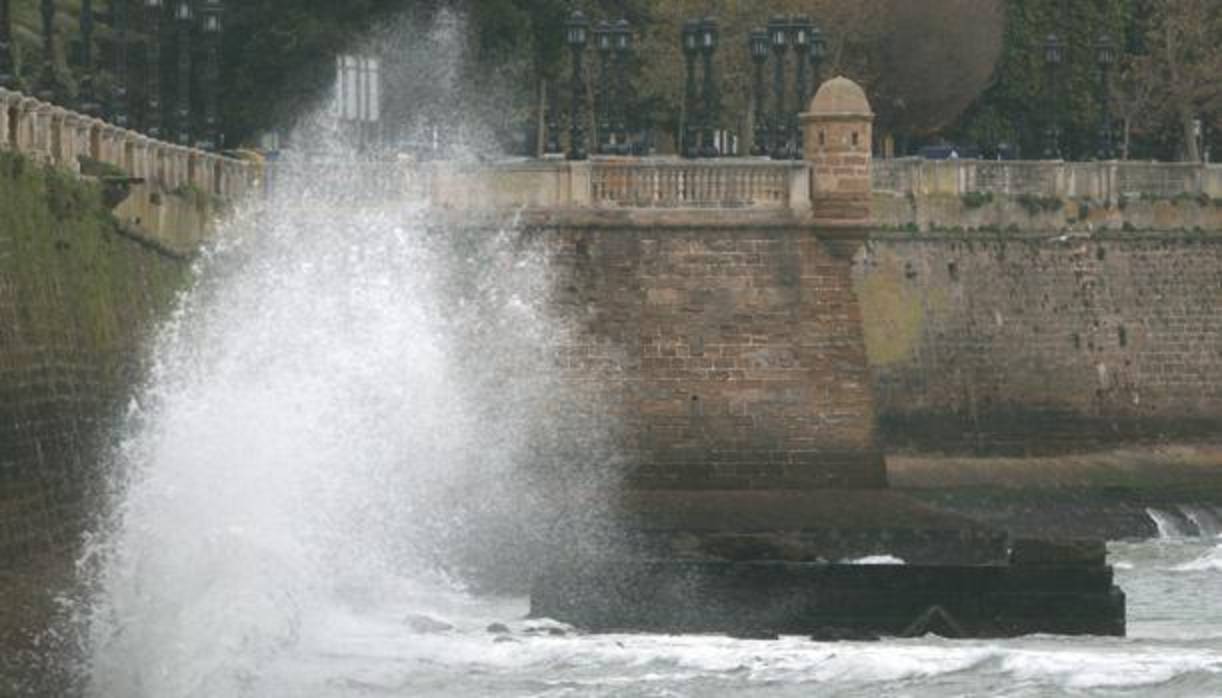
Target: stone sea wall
{"type": "Point", "coordinates": [77, 297]}
{"type": "Point", "coordinates": [1043, 342]}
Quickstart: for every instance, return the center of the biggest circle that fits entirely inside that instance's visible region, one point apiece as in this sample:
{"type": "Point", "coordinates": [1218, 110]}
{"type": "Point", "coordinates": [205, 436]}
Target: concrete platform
{"type": "Point", "coordinates": [762, 599]}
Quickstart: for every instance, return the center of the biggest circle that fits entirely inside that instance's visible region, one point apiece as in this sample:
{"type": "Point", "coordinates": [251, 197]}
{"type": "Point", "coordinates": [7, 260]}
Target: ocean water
{"type": "Point", "coordinates": [382, 647]}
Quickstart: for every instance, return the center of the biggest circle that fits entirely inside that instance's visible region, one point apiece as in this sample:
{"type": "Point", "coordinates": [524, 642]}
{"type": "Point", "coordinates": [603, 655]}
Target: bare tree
{"type": "Point", "coordinates": [1185, 64]}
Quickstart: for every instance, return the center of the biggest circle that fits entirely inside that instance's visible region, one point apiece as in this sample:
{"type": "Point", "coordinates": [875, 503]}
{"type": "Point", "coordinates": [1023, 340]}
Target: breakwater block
{"type": "Point", "coordinates": [838, 601]}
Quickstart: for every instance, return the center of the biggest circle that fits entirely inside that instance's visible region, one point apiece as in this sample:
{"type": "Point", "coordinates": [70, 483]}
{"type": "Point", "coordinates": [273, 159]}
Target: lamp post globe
{"type": "Point", "coordinates": [818, 54]}
{"type": "Point", "coordinates": [604, 43]}
{"type": "Point", "coordinates": [577, 30]}
{"type": "Point", "coordinates": [212, 26]}
{"type": "Point", "coordinates": [800, 35]}
{"type": "Point", "coordinates": [154, 15]}
{"type": "Point", "coordinates": [689, 139]}
{"type": "Point", "coordinates": [778, 38]}
{"type": "Point", "coordinates": [184, 16]}
{"type": "Point", "coordinates": [1054, 55]}
{"type": "Point", "coordinates": [757, 46]}
{"type": "Point", "coordinates": [709, 35]}
{"type": "Point", "coordinates": [623, 47]}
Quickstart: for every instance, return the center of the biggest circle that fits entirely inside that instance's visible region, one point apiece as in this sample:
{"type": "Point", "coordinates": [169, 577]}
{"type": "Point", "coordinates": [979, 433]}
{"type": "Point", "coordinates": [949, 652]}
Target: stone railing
{"type": "Point", "coordinates": [57, 136]}
{"type": "Point", "coordinates": [1105, 181]}
{"type": "Point", "coordinates": [646, 183]}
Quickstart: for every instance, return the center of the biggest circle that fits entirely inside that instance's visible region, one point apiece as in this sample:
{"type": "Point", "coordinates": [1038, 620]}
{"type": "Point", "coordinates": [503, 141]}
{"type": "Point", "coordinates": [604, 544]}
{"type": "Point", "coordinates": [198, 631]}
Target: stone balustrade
{"type": "Point", "coordinates": [1103, 181]}
{"type": "Point", "coordinates": [60, 137]}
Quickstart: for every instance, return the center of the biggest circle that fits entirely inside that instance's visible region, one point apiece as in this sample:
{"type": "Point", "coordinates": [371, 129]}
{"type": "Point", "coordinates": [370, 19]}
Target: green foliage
{"type": "Point", "coordinates": [977, 199]}
{"type": "Point", "coordinates": [1035, 205]}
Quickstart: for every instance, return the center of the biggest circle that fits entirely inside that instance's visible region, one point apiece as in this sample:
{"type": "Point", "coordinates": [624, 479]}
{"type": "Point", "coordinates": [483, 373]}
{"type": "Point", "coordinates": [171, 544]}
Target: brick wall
{"type": "Point", "coordinates": [1045, 343]}
{"type": "Point", "coordinates": [76, 298]}
{"type": "Point", "coordinates": [735, 354]}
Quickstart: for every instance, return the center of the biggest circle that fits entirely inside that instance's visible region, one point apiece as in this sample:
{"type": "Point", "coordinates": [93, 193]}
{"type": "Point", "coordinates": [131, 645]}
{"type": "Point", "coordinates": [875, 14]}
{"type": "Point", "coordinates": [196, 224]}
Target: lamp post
{"type": "Point", "coordinates": [708, 46]}
{"type": "Point", "coordinates": [818, 53]}
{"type": "Point", "coordinates": [85, 100]}
{"type": "Point", "coordinates": [153, 19]}
{"type": "Point", "coordinates": [778, 38]}
{"type": "Point", "coordinates": [800, 29]}
{"type": "Point", "coordinates": [758, 45]}
{"type": "Point", "coordinates": [690, 146]}
{"type": "Point", "coordinates": [576, 33]}
{"type": "Point", "coordinates": [8, 65]}
{"type": "Point", "coordinates": [623, 47]}
{"type": "Point", "coordinates": [184, 16]}
{"type": "Point", "coordinates": [604, 42]}
{"type": "Point", "coordinates": [552, 144]}
{"type": "Point", "coordinates": [50, 89]}
{"type": "Point", "coordinates": [213, 23]}
{"type": "Point", "coordinates": [1054, 55]}
{"type": "Point", "coordinates": [118, 108]}
{"type": "Point", "coordinates": [1105, 54]}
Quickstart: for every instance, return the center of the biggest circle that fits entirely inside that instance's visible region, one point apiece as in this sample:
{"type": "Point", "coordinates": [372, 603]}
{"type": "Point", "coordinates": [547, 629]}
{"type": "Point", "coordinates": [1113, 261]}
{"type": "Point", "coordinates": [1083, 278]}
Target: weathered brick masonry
{"type": "Point", "coordinates": [736, 353]}
{"type": "Point", "coordinates": [1005, 343]}
{"type": "Point", "coordinates": [76, 300]}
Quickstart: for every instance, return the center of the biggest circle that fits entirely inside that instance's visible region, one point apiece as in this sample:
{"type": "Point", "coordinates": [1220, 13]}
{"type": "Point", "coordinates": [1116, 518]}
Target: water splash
{"type": "Point", "coordinates": [1169, 525]}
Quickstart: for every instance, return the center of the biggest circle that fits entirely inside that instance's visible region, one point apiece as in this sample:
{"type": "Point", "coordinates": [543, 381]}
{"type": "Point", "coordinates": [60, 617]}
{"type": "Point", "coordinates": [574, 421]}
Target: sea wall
{"type": "Point", "coordinates": [77, 296]}
{"type": "Point", "coordinates": [1042, 342]}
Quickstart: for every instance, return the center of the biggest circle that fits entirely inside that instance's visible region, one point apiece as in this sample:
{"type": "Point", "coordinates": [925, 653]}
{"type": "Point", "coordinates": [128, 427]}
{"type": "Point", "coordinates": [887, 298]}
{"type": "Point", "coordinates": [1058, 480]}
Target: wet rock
{"type": "Point", "coordinates": [749, 634]}
{"type": "Point", "coordinates": [500, 639]}
{"type": "Point", "coordinates": [498, 628]}
{"type": "Point", "coordinates": [557, 632]}
{"type": "Point", "coordinates": [424, 624]}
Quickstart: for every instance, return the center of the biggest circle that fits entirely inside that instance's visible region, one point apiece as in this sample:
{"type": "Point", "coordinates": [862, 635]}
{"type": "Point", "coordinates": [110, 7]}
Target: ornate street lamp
{"type": "Point", "coordinates": [85, 100]}
{"type": "Point", "coordinates": [708, 46]}
{"type": "Point", "coordinates": [1105, 55]}
{"type": "Point", "coordinates": [690, 146]}
{"type": "Point", "coordinates": [818, 53]}
{"type": "Point", "coordinates": [118, 107]}
{"type": "Point", "coordinates": [604, 42]}
{"type": "Point", "coordinates": [623, 47]}
{"type": "Point", "coordinates": [577, 31]}
{"type": "Point", "coordinates": [213, 20]}
{"type": "Point", "coordinates": [184, 16]}
{"type": "Point", "coordinates": [758, 45]}
{"type": "Point", "coordinates": [1054, 55]}
{"type": "Point", "coordinates": [154, 16]}
{"type": "Point", "coordinates": [50, 89]}
{"type": "Point", "coordinates": [800, 32]}
{"type": "Point", "coordinates": [8, 65]}
{"type": "Point", "coordinates": [778, 38]}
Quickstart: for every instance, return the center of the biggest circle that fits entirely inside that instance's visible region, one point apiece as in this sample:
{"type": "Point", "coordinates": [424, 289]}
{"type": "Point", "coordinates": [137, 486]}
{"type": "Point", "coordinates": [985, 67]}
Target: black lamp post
{"type": "Point", "coordinates": [213, 24]}
{"type": "Point", "coordinates": [551, 122]}
{"type": "Point", "coordinates": [778, 38]}
{"type": "Point", "coordinates": [708, 46]}
{"type": "Point", "coordinates": [8, 65]}
{"type": "Point", "coordinates": [1105, 54]}
{"type": "Point", "coordinates": [577, 34]}
{"type": "Point", "coordinates": [184, 16]}
{"type": "Point", "coordinates": [758, 45]}
{"type": "Point", "coordinates": [800, 30]}
{"type": "Point", "coordinates": [818, 53]}
{"type": "Point", "coordinates": [85, 99]}
{"type": "Point", "coordinates": [690, 146]}
{"type": "Point", "coordinates": [153, 19]}
{"type": "Point", "coordinates": [118, 108]}
{"type": "Point", "coordinates": [604, 42]}
{"type": "Point", "coordinates": [1054, 55]}
{"type": "Point", "coordinates": [50, 89]}
{"type": "Point", "coordinates": [623, 46]}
